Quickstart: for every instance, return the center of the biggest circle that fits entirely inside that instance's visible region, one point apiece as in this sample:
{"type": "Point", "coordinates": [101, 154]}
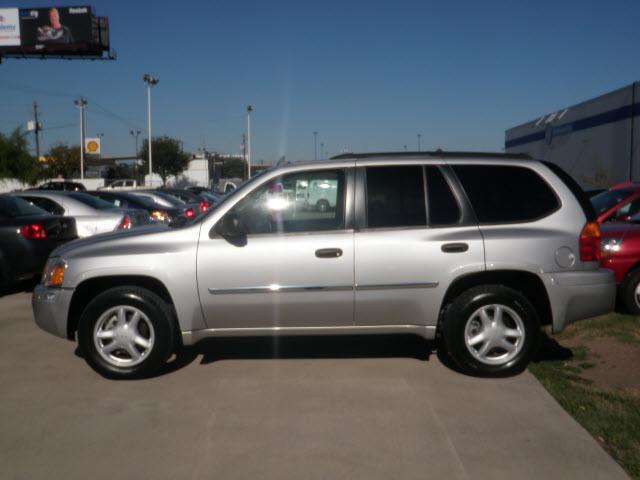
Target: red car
{"type": "Point", "coordinates": [620, 252]}
{"type": "Point", "coordinates": [618, 204]}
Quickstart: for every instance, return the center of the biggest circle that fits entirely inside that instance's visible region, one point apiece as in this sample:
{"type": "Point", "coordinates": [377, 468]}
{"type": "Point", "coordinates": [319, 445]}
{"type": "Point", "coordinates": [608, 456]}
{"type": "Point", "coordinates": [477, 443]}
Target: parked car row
{"type": "Point", "coordinates": [33, 222]}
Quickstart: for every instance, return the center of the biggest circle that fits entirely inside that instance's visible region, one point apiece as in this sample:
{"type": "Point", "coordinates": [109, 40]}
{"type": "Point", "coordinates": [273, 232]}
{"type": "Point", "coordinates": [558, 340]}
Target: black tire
{"type": "Point", "coordinates": [322, 206]}
{"type": "Point", "coordinates": [461, 312]}
{"type": "Point", "coordinates": [627, 293]}
{"type": "Point", "coordinates": [158, 313]}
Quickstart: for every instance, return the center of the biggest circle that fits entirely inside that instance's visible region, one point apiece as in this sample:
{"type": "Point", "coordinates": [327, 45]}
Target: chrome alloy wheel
{"type": "Point", "coordinates": [636, 295]}
{"type": "Point", "coordinates": [124, 336]}
{"type": "Point", "coordinates": [494, 334]}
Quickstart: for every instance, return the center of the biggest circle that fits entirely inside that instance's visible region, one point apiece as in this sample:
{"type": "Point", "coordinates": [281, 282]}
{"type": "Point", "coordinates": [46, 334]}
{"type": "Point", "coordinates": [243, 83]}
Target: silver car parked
{"type": "Point", "coordinates": [476, 251]}
{"type": "Point", "coordinates": [93, 215]}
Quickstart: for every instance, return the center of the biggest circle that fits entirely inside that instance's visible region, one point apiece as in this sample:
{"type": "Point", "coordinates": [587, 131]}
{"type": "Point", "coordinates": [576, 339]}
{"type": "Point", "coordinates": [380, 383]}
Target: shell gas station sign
{"type": "Point", "coordinates": [92, 146]}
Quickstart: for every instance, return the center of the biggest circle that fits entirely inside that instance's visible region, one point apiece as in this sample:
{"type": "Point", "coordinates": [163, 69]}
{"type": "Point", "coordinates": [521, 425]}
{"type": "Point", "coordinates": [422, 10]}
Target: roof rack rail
{"type": "Point", "coordinates": [436, 153]}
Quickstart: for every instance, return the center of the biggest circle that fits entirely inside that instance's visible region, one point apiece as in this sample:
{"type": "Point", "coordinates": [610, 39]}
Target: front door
{"type": "Point", "coordinates": [294, 266]}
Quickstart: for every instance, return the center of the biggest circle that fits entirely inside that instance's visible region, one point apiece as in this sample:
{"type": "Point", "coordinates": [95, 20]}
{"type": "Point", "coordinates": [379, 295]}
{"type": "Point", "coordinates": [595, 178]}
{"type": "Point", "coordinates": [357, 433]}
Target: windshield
{"type": "Point", "coordinates": [12, 207]}
{"type": "Point", "coordinates": [605, 200]}
{"type": "Point", "coordinates": [91, 201]}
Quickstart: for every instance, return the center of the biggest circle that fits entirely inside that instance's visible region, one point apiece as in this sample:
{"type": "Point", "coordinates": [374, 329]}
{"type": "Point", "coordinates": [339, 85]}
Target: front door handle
{"type": "Point", "coordinates": [329, 253]}
{"type": "Point", "coordinates": [455, 247]}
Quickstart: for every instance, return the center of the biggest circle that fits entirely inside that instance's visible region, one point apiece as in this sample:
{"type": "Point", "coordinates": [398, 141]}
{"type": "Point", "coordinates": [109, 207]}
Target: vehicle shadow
{"type": "Point", "coordinates": [26, 286]}
{"type": "Point", "coordinates": [550, 350]}
{"type": "Point", "coordinates": [301, 347]}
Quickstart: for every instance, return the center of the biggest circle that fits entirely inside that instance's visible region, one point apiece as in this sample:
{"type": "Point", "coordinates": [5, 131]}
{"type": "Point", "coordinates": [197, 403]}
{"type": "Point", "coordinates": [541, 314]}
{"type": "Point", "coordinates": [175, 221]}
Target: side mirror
{"type": "Point", "coordinates": [230, 228]}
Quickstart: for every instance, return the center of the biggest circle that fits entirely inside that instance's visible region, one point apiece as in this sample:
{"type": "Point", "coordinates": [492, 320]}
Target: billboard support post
{"type": "Point", "coordinates": [81, 103]}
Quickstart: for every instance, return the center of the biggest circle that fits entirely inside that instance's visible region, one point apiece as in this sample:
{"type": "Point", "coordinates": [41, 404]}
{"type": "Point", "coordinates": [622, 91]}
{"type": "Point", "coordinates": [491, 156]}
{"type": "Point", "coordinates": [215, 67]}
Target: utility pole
{"type": "Point", "coordinates": [315, 145]}
{"type": "Point", "coordinates": [135, 133]}
{"type": "Point", "coordinates": [36, 129]}
{"type": "Point", "coordinates": [81, 103]}
{"type": "Point", "coordinates": [419, 137]}
{"type": "Point", "coordinates": [250, 109]}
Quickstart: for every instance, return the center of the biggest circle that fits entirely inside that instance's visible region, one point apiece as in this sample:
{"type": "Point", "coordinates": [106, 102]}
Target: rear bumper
{"type": "Point", "coordinates": [51, 309]}
{"type": "Point", "coordinates": [579, 295]}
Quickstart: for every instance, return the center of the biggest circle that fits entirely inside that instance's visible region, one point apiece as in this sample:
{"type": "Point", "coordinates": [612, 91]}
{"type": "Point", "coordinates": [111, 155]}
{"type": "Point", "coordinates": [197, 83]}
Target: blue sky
{"type": "Point", "coordinates": [366, 75]}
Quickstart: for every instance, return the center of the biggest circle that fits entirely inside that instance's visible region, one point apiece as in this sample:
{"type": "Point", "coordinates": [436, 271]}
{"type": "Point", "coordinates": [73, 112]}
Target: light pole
{"type": "Point", "coordinates": [81, 103]}
{"type": "Point", "coordinates": [250, 109]}
{"type": "Point", "coordinates": [419, 137]}
{"type": "Point", "coordinates": [321, 150]}
{"type": "Point", "coordinates": [100, 136]}
{"type": "Point", "coordinates": [315, 145]}
{"type": "Point", "coordinates": [150, 81]}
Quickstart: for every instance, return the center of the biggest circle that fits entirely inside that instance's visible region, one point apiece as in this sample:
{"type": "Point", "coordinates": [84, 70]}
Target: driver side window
{"type": "Point", "coordinates": [299, 202]}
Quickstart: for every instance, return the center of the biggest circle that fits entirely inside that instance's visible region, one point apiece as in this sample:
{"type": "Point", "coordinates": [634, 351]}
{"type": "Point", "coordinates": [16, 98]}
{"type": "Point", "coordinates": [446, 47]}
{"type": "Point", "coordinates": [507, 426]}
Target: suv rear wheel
{"type": "Point", "coordinates": [491, 330]}
{"type": "Point", "coordinates": [126, 332]}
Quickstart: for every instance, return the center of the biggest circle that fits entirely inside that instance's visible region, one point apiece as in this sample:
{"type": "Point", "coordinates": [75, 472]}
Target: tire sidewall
{"type": "Point", "coordinates": [157, 315]}
{"type": "Point", "coordinates": [461, 310]}
{"type": "Point", "coordinates": [628, 293]}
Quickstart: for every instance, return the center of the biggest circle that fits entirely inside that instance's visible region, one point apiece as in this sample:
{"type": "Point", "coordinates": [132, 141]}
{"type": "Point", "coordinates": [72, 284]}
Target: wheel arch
{"type": "Point", "coordinates": [527, 283]}
{"type": "Point", "coordinates": [91, 287]}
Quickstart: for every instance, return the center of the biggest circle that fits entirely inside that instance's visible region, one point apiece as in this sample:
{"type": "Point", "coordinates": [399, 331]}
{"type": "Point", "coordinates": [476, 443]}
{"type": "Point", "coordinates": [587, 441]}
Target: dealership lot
{"type": "Point", "coordinates": [351, 407]}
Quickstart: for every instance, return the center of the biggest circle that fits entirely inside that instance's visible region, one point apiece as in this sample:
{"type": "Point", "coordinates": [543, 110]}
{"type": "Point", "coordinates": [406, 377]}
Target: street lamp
{"type": "Point", "coordinates": [419, 137]}
{"type": "Point", "coordinates": [315, 146]}
{"type": "Point", "coordinates": [81, 103]}
{"type": "Point", "coordinates": [150, 81]}
{"type": "Point", "coordinates": [250, 109]}
{"type": "Point", "coordinates": [321, 150]}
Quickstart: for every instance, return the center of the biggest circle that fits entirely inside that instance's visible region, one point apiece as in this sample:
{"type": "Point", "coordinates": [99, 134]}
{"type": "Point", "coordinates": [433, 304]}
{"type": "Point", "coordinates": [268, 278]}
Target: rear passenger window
{"type": "Point", "coordinates": [46, 204]}
{"type": "Point", "coordinates": [395, 197]}
{"type": "Point", "coordinates": [501, 193]}
{"type": "Point", "coordinates": [443, 206]}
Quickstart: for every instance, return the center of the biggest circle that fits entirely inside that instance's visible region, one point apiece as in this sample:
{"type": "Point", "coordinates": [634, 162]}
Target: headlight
{"type": "Point", "coordinates": [53, 275]}
{"type": "Point", "coordinates": [610, 245]}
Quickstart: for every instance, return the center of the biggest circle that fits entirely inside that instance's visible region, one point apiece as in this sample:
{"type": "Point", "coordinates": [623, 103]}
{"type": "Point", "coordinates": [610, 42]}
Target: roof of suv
{"type": "Point", "coordinates": [435, 154]}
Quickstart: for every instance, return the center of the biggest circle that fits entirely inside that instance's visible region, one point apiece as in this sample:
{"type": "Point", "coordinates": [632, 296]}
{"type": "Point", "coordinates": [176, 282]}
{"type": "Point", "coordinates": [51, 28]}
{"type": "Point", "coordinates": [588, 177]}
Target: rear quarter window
{"type": "Point", "coordinates": [506, 194]}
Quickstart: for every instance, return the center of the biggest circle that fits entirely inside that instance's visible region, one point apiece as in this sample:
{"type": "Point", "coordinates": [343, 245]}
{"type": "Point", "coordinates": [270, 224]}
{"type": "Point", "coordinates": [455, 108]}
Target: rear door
{"type": "Point", "coordinates": [413, 235]}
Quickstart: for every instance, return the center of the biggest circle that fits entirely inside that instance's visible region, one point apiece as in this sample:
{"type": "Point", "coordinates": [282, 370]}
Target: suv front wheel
{"type": "Point", "coordinates": [491, 330]}
{"type": "Point", "coordinates": [126, 332]}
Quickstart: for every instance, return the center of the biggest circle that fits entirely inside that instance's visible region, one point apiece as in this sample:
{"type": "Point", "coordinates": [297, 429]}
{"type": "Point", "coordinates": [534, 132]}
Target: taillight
{"type": "Point", "coordinates": [204, 206]}
{"type": "Point", "coordinates": [124, 224]}
{"type": "Point", "coordinates": [590, 242]}
{"type": "Point", "coordinates": [189, 212]}
{"type": "Point", "coordinates": [34, 231]}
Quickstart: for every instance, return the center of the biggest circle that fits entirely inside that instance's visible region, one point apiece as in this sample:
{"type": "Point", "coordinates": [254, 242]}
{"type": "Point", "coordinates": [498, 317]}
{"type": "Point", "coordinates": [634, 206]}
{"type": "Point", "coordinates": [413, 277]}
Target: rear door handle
{"type": "Point", "coordinates": [329, 253]}
{"type": "Point", "coordinates": [455, 247]}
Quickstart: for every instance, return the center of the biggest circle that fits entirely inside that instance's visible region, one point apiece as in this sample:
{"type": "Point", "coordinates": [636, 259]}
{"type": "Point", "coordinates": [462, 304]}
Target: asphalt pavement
{"type": "Point", "coordinates": [379, 407]}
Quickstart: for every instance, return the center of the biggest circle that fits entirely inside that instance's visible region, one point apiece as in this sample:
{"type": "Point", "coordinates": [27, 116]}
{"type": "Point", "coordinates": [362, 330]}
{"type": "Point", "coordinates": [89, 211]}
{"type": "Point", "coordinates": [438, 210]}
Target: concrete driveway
{"type": "Point", "coordinates": [307, 408]}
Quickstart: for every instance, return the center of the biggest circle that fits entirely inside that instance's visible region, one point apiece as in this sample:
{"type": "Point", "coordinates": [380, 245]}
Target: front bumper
{"type": "Point", "coordinates": [51, 309]}
{"type": "Point", "coordinates": [580, 294]}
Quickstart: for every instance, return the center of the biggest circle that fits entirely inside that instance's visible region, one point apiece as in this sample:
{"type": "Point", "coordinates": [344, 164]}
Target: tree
{"type": "Point", "coordinates": [63, 160]}
{"type": "Point", "coordinates": [15, 159]}
{"type": "Point", "coordinates": [168, 157]}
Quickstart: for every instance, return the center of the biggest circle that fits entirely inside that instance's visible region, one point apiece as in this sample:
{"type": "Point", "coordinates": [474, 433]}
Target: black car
{"type": "Point", "coordinates": [62, 185]}
{"type": "Point", "coordinates": [158, 213]}
{"type": "Point", "coordinates": [204, 198]}
{"type": "Point", "coordinates": [28, 234]}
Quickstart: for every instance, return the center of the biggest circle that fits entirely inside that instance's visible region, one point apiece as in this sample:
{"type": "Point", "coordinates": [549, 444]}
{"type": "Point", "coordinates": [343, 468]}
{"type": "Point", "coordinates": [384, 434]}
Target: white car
{"type": "Point", "coordinates": [93, 215]}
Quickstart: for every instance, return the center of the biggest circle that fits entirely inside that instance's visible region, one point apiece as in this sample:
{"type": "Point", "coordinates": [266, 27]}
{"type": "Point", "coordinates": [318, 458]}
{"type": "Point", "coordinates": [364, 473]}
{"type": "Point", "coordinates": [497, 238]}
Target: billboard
{"type": "Point", "coordinates": [53, 31]}
{"type": "Point", "coordinates": [9, 27]}
{"type": "Point", "coordinates": [55, 26]}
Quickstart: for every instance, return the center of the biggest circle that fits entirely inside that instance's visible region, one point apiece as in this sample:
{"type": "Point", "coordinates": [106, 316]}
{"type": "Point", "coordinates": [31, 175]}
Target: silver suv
{"type": "Point", "coordinates": [478, 251]}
